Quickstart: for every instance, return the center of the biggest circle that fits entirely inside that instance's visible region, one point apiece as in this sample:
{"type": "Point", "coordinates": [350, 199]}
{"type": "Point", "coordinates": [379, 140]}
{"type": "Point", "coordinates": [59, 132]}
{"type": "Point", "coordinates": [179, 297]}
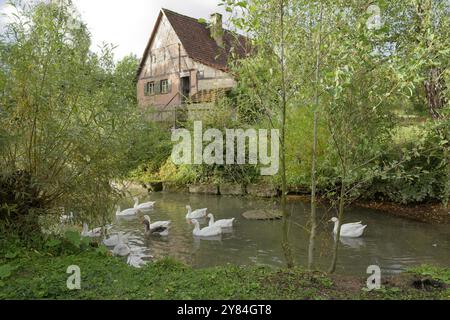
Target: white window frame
{"type": "Point", "coordinates": [151, 84]}
{"type": "Point", "coordinates": [164, 86]}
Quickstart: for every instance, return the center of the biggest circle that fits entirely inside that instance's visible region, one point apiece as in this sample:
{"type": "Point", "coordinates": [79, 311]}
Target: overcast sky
{"type": "Point", "coordinates": [128, 24]}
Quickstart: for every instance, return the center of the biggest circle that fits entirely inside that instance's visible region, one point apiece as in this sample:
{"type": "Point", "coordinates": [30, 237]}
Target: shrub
{"type": "Point", "coordinates": [20, 204]}
{"type": "Point", "coordinates": [422, 177]}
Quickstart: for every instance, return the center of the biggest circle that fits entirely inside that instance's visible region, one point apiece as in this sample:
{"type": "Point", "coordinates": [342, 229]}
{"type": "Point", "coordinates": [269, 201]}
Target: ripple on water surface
{"type": "Point", "coordinates": [390, 242]}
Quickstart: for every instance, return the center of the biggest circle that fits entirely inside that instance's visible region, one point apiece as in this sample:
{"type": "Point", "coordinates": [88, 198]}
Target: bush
{"type": "Point", "coordinates": [73, 128]}
{"type": "Point", "coordinates": [422, 177]}
{"type": "Point", "coordinates": [20, 204]}
{"type": "Point", "coordinates": [157, 146]}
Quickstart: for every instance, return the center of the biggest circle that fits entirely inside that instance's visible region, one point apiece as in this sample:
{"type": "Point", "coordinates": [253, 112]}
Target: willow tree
{"type": "Point", "coordinates": [271, 73]}
{"type": "Point", "coordinates": [69, 114]}
{"type": "Point", "coordinates": [331, 57]}
{"type": "Point", "coordinates": [318, 32]}
{"type": "Point", "coordinates": [367, 79]}
{"type": "Point", "coordinates": [355, 78]}
{"type": "Point", "coordinates": [285, 74]}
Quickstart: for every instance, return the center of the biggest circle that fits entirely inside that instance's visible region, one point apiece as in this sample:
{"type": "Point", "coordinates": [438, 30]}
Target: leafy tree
{"type": "Point", "coordinates": [69, 116]}
{"type": "Point", "coordinates": [329, 59]}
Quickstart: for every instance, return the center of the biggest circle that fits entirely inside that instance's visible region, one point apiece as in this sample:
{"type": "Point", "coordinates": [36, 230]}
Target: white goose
{"type": "Point", "coordinates": [143, 206]}
{"type": "Point", "coordinates": [135, 261]}
{"type": "Point", "coordinates": [126, 212]}
{"type": "Point", "coordinates": [210, 231]}
{"type": "Point", "coordinates": [112, 241]}
{"type": "Point", "coordinates": [224, 223]}
{"type": "Point", "coordinates": [97, 232]}
{"type": "Point", "coordinates": [159, 227]}
{"type": "Point", "coordinates": [349, 230]}
{"type": "Point", "coordinates": [197, 214]}
{"type": "Point", "coordinates": [121, 249]}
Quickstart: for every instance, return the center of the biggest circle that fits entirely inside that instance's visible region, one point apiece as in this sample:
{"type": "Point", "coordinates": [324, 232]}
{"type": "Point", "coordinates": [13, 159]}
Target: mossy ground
{"type": "Point", "coordinates": [31, 274]}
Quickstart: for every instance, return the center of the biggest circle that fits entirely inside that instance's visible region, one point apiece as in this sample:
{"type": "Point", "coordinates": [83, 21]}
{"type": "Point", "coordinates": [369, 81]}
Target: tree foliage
{"type": "Point", "coordinates": [372, 68]}
{"type": "Point", "coordinates": [69, 116]}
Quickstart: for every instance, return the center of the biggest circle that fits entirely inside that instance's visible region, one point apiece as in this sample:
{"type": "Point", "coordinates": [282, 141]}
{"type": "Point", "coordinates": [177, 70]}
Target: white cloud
{"type": "Point", "coordinates": [4, 11]}
{"type": "Point", "coordinates": [128, 24]}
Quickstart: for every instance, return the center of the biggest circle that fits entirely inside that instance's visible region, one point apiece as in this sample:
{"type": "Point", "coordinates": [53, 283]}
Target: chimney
{"type": "Point", "coordinates": [216, 28]}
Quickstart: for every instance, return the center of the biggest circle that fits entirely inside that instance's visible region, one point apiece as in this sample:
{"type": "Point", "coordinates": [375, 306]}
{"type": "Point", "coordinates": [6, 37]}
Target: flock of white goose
{"type": "Point", "coordinates": [161, 228]}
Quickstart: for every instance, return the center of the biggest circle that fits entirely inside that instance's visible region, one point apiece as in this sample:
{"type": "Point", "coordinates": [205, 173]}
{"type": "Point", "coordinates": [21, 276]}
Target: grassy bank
{"type": "Point", "coordinates": [31, 274]}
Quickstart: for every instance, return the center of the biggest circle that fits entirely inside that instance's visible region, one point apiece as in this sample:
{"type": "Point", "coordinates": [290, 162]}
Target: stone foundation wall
{"type": "Point", "coordinates": [226, 189]}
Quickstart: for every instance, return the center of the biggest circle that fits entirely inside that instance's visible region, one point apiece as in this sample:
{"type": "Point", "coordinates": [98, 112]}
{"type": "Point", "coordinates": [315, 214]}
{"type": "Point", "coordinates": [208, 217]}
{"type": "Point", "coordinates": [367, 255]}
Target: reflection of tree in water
{"type": "Point", "coordinates": [285, 244]}
{"type": "Point", "coordinates": [392, 243]}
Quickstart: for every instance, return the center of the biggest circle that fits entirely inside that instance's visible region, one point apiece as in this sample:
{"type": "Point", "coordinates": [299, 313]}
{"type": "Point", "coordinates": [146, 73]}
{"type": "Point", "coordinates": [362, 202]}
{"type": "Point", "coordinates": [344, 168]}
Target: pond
{"type": "Point", "coordinates": [390, 242]}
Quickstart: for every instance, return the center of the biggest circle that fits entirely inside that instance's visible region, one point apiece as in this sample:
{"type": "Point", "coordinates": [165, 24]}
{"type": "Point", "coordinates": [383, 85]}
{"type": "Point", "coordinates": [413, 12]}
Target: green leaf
{"type": "Point", "coordinates": [6, 270]}
{"type": "Point", "coordinates": [11, 255]}
{"type": "Point", "coordinates": [74, 238]}
{"type": "Point", "coordinates": [102, 250]}
{"type": "Point", "coordinates": [53, 243]}
{"type": "Point", "coordinates": [85, 242]}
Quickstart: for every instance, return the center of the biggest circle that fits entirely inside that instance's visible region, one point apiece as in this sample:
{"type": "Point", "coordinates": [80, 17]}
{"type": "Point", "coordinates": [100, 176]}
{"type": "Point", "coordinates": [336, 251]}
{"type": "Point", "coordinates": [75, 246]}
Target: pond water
{"type": "Point", "coordinates": [390, 242]}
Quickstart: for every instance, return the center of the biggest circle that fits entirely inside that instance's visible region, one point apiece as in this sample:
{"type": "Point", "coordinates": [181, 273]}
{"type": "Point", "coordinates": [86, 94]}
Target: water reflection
{"type": "Point", "coordinates": [198, 241]}
{"type": "Point", "coordinates": [390, 242]}
{"type": "Point", "coordinates": [354, 243]}
{"type": "Point", "coordinates": [286, 245]}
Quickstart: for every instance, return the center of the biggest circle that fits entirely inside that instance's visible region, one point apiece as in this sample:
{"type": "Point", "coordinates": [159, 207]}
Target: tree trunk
{"type": "Point", "coordinates": [447, 186]}
{"type": "Point", "coordinates": [314, 153]}
{"type": "Point", "coordinates": [434, 89]}
{"type": "Point", "coordinates": [286, 215]}
{"type": "Point", "coordinates": [313, 199]}
{"type": "Point", "coordinates": [338, 236]}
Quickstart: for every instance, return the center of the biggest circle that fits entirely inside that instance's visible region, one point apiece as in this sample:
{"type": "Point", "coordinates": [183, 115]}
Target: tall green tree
{"type": "Point", "coordinates": [271, 73]}
{"type": "Point", "coordinates": [69, 116]}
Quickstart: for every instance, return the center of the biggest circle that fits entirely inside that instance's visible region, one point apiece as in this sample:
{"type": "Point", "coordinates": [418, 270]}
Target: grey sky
{"type": "Point", "coordinates": [128, 24]}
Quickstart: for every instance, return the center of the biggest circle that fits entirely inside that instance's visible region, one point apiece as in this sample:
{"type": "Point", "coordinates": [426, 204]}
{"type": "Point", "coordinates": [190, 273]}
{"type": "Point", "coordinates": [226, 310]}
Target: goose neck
{"type": "Point", "coordinates": [336, 226]}
{"type": "Point", "coordinates": [196, 225]}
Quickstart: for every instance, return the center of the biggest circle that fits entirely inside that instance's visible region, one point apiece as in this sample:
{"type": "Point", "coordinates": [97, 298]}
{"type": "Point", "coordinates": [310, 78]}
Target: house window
{"type": "Point", "coordinates": [149, 88]}
{"type": "Point", "coordinates": [165, 86]}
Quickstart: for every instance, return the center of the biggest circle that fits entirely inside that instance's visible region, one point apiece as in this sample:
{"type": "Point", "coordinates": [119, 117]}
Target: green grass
{"type": "Point", "coordinates": [31, 274]}
{"type": "Point", "coordinates": [437, 273]}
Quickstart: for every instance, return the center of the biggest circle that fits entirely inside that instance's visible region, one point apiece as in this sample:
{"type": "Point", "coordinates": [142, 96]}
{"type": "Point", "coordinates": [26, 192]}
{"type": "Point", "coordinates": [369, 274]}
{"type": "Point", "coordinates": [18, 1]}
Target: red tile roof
{"type": "Point", "coordinates": [198, 43]}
